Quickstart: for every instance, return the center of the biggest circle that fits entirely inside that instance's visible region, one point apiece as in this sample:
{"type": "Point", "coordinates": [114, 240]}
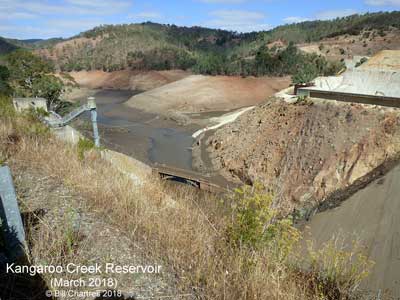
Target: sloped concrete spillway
{"type": "Point", "coordinates": [371, 215]}
{"type": "Point", "coordinates": [363, 82]}
{"type": "Point", "coordinates": [376, 82]}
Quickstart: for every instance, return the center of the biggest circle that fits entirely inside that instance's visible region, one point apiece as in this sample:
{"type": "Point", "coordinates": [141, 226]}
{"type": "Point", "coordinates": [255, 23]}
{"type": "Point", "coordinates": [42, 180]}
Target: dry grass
{"type": "Point", "coordinates": [184, 229]}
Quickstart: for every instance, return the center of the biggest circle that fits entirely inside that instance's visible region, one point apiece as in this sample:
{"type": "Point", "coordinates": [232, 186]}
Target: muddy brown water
{"type": "Point", "coordinates": [148, 137]}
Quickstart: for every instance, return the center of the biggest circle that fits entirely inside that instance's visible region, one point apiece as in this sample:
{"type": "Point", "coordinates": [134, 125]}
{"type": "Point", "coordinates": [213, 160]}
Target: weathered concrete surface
{"type": "Point", "coordinates": [21, 104]}
{"type": "Point", "coordinates": [67, 134]}
{"type": "Point", "coordinates": [127, 165]}
{"type": "Point", "coordinates": [363, 82]}
{"type": "Point", "coordinates": [372, 215]}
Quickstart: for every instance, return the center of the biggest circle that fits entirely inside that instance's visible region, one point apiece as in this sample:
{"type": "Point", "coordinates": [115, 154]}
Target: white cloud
{"type": "Point", "coordinates": [383, 2]}
{"type": "Point", "coordinates": [16, 16]}
{"type": "Point", "coordinates": [146, 15]}
{"type": "Point", "coordinates": [238, 20]}
{"type": "Point", "coordinates": [333, 14]}
{"type": "Point", "coordinates": [322, 15]}
{"type": "Point", "coordinates": [73, 7]}
{"type": "Point", "coordinates": [72, 25]}
{"type": "Point", "coordinates": [290, 20]}
{"type": "Point", "coordinates": [28, 32]}
{"type": "Point", "coordinates": [224, 1]}
{"type": "Point", "coordinates": [239, 15]}
{"type": "Point", "coordinates": [51, 18]}
{"type": "Point", "coordinates": [106, 4]}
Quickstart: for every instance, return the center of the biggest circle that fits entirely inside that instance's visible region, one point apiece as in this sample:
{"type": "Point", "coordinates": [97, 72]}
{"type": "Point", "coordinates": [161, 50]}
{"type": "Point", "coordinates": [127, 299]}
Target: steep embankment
{"type": "Point", "coordinates": [199, 93]}
{"type": "Point", "coordinates": [372, 216]}
{"type": "Point", "coordinates": [306, 152]}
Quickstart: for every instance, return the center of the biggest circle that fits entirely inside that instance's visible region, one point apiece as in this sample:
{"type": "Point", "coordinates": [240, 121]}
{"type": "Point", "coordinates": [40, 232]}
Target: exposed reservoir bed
{"type": "Point", "coordinates": [148, 137]}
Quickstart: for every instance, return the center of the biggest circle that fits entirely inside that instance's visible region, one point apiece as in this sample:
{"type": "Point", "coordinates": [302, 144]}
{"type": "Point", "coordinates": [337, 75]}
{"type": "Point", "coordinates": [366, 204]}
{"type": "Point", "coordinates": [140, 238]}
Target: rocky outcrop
{"type": "Point", "coordinates": [305, 152]}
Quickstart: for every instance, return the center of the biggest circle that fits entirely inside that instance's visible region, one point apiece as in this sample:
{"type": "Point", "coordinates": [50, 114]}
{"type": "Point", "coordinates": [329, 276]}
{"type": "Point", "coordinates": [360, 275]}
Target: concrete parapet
{"type": "Point", "coordinates": [127, 165]}
{"type": "Point", "coordinates": [21, 104]}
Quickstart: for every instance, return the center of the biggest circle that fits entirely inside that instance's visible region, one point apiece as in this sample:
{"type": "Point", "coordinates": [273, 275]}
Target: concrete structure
{"type": "Point", "coordinates": [360, 86]}
{"type": "Point", "coordinates": [55, 121]}
{"type": "Point", "coordinates": [375, 82]}
{"type": "Point", "coordinates": [363, 82]}
{"type": "Point", "coordinates": [189, 177]}
{"type": "Point", "coordinates": [21, 104]}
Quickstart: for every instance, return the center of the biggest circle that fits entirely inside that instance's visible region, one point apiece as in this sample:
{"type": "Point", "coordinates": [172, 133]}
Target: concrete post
{"type": "Point", "coordinates": [95, 129]}
{"type": "Point", "coordinates": [10, 216]}
{"type": "Point", "coordinates": [93, 112]}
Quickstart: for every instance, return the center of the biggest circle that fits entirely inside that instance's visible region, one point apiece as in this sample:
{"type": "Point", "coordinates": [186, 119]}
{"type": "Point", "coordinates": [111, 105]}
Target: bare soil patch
{"type": "Point", "coordinates": [127, 79]}
{"type": "Point", "coordinates": [199, 93]}
{"type": "Point", "coordinates": [306, 152]}
{"type": "Point", "coordinates": [347, 46]}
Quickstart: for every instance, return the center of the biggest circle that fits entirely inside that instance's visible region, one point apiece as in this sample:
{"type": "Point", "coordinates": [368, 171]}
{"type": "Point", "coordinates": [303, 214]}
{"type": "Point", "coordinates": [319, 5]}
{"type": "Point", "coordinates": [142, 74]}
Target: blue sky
{"type": "Point", "coordinates": [64, 18]}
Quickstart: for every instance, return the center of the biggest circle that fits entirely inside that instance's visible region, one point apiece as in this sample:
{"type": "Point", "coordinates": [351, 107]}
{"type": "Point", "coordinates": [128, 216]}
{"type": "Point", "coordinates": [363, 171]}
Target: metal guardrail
{"type": "Point", "coordinates": [351, 97]}
{"type": "Point", "coordinates": [11, 222]}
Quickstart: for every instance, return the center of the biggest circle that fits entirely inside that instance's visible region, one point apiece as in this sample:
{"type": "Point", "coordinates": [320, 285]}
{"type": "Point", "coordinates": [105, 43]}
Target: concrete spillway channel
{"type": "Point", "coordinates": [358, 86]}
{"type": "Point", "coordinates": [373, 216]}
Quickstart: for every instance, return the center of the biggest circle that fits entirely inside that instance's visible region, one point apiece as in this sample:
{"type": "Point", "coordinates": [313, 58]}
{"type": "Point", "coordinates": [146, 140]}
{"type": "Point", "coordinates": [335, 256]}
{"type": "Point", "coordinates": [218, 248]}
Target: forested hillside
{"type": "Point", "coordinates": [140, 46]}
{"type": "Point", "coordinates": [151, 46]}
{"type": "Point", "coordinates": [312, 31]}
{"type": "Point", "coordinates": [6, 47]}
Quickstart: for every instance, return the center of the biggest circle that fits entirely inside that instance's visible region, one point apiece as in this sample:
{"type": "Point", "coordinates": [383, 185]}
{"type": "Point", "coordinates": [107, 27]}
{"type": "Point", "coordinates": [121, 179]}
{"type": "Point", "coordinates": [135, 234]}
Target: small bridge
{"type": "Point", "coordinates": [188, 177]}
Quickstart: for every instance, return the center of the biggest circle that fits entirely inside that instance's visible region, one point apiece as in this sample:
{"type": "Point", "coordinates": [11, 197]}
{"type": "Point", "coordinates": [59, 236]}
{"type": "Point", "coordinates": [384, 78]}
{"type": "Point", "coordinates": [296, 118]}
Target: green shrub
{"type": "Point", "coordinates": [303, 100]}
{"type": "Point", "coordinates": [6, 107]}
{"type": "Point", "coordinates": [362, 60]}
{"type": "Point", "coordinates": [5, 88]}
{"type": "Point", "coordinates": [30, 76]}
{"type": "Point", "coordinates": [83, 146]}
{"type": "Point", "coordinates": [305, 74]}
{"type": "Point", "coordinates": [30, 126]}
{"type": "Point", "coordinates": [337, 267]}
{"type": "Point", "coordinates": [255, 224]}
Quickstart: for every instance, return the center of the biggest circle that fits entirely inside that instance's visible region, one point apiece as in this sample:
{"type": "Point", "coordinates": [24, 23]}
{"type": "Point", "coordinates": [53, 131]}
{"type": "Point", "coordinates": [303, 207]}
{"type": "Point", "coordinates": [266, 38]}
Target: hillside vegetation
{"type": "Point", "coordinates": [311, 31]}
{"type": "Point", "coordinates": [24, 74]}
{"type": "Point", "coordinates": [6, 47]}
{"type": "Point", "coordinates": [161, 47]}
{"type": "Point", "coordinates": [150, 46]}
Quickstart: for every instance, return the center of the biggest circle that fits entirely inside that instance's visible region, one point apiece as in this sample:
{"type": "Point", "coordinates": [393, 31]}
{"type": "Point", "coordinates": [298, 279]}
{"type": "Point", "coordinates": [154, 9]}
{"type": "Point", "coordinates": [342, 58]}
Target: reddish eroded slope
{"type": "Point", "coordinates": [306, 152]}
{"type": "Point", "coordinates": [127, 79]}
{"type": "Point", "coordinates": [367, 43]}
